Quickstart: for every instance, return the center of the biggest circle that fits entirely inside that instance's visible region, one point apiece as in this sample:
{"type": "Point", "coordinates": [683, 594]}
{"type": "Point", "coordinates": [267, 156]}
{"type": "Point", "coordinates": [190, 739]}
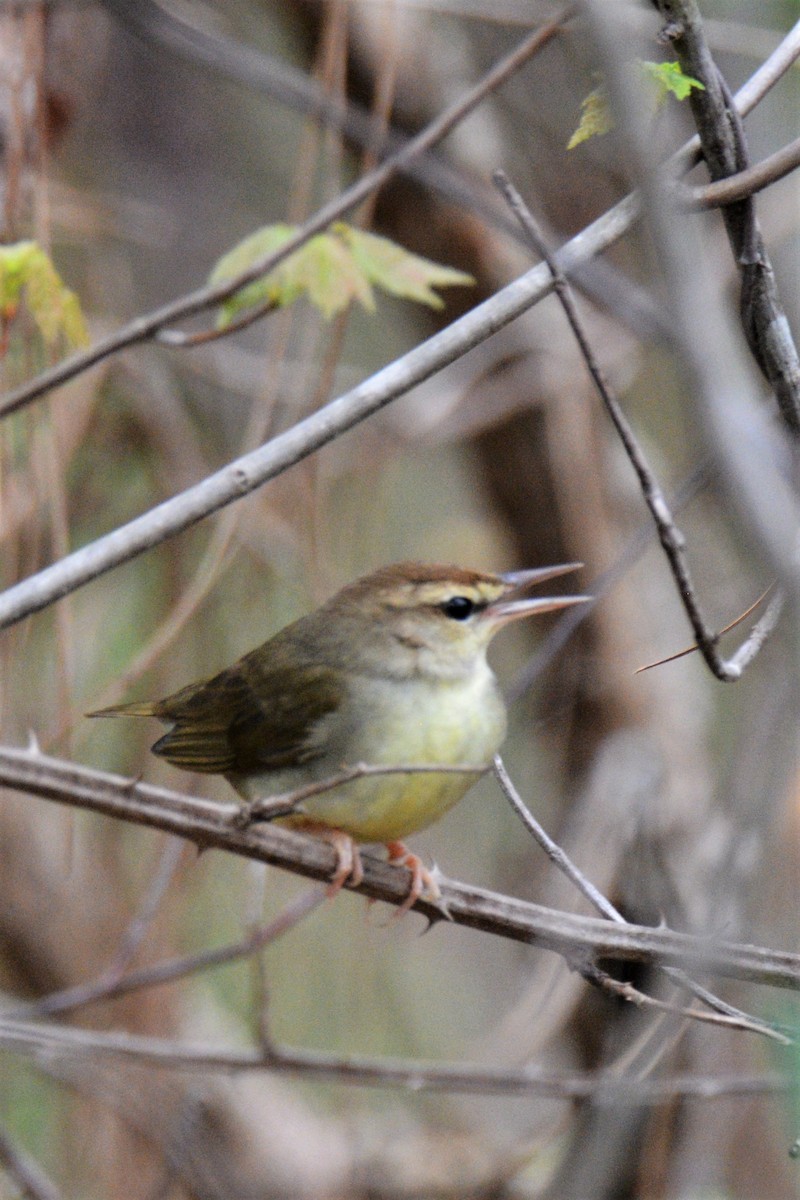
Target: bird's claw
{"type": "Point", "coordinates": [424, 883]}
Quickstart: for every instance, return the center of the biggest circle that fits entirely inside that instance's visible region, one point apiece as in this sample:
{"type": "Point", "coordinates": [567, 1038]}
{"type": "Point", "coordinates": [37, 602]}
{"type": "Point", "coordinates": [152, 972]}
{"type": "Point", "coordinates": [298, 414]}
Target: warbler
{"type": "Point", "coordinates": [391, 672]}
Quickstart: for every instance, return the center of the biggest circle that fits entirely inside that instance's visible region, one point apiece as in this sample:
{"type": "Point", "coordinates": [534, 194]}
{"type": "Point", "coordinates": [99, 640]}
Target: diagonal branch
{"type": "Point", "coordinates": [672, 539]}
{"type": "Point", "coordinates": [248, 472]}
{"type": "Point", "coordinates": [725, 152]}
{"type": "Point", "coordinates": [743, 183]}
{"type": "Point", "coordinates": [564, 863]}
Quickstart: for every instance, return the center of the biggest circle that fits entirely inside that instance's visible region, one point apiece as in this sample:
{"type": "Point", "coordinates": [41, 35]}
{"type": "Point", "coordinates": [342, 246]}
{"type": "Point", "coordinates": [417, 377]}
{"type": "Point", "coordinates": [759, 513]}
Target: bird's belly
{"type": "Point", "coordinates": [425, 727]}
{"type": "Point", "coordinates": [386, 808]}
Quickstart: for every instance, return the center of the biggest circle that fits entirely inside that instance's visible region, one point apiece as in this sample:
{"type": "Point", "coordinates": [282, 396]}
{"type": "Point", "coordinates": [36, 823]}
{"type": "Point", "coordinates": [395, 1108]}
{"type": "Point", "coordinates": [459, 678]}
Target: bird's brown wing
{"type": "Point", "coordinates": [248, 718]}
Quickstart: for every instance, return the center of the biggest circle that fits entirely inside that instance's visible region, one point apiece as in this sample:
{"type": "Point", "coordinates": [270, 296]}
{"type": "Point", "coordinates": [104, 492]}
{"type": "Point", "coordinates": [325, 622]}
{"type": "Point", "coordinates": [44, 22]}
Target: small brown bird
{"type": "Point", "coordinates": [390, 672]}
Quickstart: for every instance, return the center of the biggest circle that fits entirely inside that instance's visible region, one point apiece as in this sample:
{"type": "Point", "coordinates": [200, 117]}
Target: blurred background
{"type": "Point", "coordinates": [141, 141]}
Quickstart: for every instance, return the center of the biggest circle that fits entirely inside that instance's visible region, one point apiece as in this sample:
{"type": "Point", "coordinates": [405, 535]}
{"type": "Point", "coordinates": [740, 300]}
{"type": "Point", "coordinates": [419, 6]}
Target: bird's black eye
{"type": "Point", "coordinates": [458, 608]}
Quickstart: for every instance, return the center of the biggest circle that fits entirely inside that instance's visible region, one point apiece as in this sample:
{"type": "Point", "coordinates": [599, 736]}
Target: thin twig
{"type": "Point", "coordinates": [670, 536]}
{"type": "Point", "coordinates": [742, 184]}
{"type": "Point", "coordinates": [109, 987]}
{"type": "Point", "coordinates": [554, 852]}
{"type": "Point", "coordinates": [51, 1042]}
{"type": "Point", "coordinates": [284, 803]}
{"type": "Point", "coordinates": [564, 863]}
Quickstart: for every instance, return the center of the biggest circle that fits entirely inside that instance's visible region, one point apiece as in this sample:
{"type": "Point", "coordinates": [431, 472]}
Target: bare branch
{"type": "Point", "coordinates": [248, 472]}
{"type": "Point", "coordinates": [54, 1042]}
{"type": "Point", "coordinates": [743, 183]}
{"type": "Point", "coordinates": [725, 152]}
{"type": "Point", "coordinates": [564, 863]}
{"type": "Point", "coordinates": [578, 939]}
{"type": "Point", "coordinates": [670, 536]}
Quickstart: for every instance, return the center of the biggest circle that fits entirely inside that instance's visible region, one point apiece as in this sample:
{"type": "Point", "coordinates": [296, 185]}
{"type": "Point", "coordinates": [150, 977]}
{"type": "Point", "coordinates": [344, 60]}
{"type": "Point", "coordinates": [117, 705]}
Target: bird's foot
{"type": "Point", "coordinates": [349, 868]}
{"type": "Point", "coordinates": [423, 882]}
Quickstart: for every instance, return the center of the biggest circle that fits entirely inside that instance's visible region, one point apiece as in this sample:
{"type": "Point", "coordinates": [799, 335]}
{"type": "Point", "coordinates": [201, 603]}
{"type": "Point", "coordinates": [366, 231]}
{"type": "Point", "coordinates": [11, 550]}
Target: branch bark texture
{"type": "Point", "coordinates": [724, 148]}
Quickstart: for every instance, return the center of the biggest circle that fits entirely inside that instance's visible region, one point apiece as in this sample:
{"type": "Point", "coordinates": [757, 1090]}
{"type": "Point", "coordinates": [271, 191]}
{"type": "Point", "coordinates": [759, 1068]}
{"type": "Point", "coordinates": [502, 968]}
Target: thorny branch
{"type": "Point", "coordinates": [576, 938]}
{"type": "Point", "coordinates": [670, 536]}
{"type": "Point", "coordinates": [209, 824]}
{"type": "Point", "coordinates": [114, 982]}
{"type": "Point", "coordinates": [564, 863]}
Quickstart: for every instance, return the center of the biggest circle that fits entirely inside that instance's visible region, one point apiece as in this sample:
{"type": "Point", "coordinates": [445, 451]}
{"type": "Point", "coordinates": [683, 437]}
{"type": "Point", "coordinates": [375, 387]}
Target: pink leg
{"type": "Point", "coordinates": [348, 864]}
{"type": "Point", "coordinates": [422, 881]}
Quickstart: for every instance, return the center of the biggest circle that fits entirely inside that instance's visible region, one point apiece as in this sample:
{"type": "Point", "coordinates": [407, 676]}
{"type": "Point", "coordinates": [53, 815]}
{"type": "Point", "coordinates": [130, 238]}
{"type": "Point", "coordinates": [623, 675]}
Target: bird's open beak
{"type": "Point", "coordinates": [512, 605]}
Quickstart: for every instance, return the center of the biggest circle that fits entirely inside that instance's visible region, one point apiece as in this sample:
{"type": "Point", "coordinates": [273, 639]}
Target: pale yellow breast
{"type": "Point", "coordinates": [424, 722]}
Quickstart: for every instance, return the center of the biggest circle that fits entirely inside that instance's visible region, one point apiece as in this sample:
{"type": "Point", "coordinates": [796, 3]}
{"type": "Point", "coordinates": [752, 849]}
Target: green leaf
{"type": "Point", "coordinates": [397, 271]}
{"type": "Point", "coordinates": [595, 119]}
{"type": "Point", "coordinates": [332, 270]}
{"type": "Point", "coordinates": [329, 275]}
{"type": "Point", "coordinates": [28, 277]}
{"type": "Point", "coordinates": [269, 288]}
{"type": "Point", "coordinates": [669, 79]}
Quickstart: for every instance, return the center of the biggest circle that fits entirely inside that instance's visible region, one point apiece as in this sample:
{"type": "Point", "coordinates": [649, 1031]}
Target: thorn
{"type": "Point", "coordinates": [33, 743]}
{"type": "Point", "coordinates": [439, 904]}
{"type": "Point", "coordinates": [441, 913]}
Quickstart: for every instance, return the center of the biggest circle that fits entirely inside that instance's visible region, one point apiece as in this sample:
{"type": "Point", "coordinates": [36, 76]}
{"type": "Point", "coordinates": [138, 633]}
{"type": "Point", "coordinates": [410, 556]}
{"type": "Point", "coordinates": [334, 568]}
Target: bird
{"type": "Point", "coordinates": [391, 673]}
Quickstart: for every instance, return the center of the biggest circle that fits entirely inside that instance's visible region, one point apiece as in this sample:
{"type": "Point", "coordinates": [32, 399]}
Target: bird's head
{"type": "Point", "coordinates": [413, 619]}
